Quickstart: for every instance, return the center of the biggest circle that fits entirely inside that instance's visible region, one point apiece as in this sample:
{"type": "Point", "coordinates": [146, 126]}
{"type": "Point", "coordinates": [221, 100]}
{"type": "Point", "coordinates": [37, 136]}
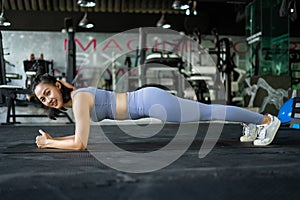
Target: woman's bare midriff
{"type": "Point", "coordinates": [121, 106]}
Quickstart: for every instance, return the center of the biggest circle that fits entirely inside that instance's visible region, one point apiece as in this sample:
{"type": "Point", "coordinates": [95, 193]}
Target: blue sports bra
{"type": "Point", "coordinates": [104, 103]}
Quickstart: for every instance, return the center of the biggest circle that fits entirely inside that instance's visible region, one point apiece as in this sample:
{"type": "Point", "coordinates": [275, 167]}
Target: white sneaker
{"type": "Point", "coordinates": [267, 132]}
{"type": "Point", "coordinates": [249, 132]}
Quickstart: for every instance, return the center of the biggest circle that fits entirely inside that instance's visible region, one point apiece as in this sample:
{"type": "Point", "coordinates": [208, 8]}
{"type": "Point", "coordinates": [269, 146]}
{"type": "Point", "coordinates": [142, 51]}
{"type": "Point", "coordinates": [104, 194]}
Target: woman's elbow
{"type": "Point", "coordinates": [79, 146]}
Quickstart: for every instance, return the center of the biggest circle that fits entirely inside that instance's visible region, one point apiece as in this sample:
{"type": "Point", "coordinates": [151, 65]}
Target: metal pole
{"type": "Point", "coordinates": [113, 72]}
{"type": "Point", "coordinates": [2, 63]}
{"type": "Point", "coordinates": [71, 51]}
{"type": "Point", "coordinates": [142, 56]}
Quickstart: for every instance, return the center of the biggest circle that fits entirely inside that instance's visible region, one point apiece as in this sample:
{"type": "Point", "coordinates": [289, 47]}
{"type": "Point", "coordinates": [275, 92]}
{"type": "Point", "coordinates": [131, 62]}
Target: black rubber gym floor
{"type": "Point", "coordinates": [230, 171]}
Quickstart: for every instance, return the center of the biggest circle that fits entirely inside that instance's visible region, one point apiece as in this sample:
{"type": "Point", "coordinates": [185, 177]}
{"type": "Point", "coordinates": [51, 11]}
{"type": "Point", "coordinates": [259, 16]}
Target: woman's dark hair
{"type": "Point", "coordinates": [65, 91]}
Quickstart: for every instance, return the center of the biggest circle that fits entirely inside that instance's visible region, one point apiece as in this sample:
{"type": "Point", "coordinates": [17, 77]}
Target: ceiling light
{"type": "Point", "coordinates": [184, 7]}
{"type": "Point", "coordinates": [166, 26]}
{"type": "Point", "coordinates": [162, 22]}
{"type": "Point", "coordinates": [192, 8]}
{"type": "Point", "coordinates": [180, 5]}
{"type": "Point", "coordinates": [3, 20]}
{"type": "Point", "coordinates": [188, 12]}
{"type": "Point", "coordinates": [85, 22]}
{"type": "Point", "coordinates": [292, 10]}
{"type": "Point", "coordinates": [86, 3]}
{"type": "Point", "coordinates": [176, 5]}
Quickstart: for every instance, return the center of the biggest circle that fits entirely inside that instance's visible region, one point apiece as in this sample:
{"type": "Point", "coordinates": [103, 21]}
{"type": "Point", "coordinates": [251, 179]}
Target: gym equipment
{"type": "Point", "coordinates": [3, 75]}
{"type": "Point", "coordinates": [2, 63]}
{"type": "Point", "coordinates": [5, 90]}
{"type": "Point", "coordinates": [285, 111]}
{"type": "Point", "coordinates": [168, 67]}
{"type": "Point", "coordinates": [294, 69]}
{"type": "Point", "coordinates": [267, 35]}
{"type": "Point", "coordinates": [31, 67]}
{"type": "Point", "coordinates": [197, 78]}
{"type": "Point", "coordinates": [164, 67]}
{"type": "Point", "coordinates": [225, 64]}
{"type": "Point", "coordinates": [289, 113]}
{"type": "Point", "coordinates": [295, 117]}
{"type": "Point", "coordinates": [182, 62]}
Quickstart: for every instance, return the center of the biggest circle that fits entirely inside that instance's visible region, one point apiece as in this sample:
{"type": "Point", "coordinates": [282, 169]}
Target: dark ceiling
{"type": "Point", "coordinates": [120, 15]}
{"type": "Point", "coordinates": [103, 6]}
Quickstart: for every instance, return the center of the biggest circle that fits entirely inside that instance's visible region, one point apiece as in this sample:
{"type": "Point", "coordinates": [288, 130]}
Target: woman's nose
{"type": "Point", "coordinates": [48, 100]}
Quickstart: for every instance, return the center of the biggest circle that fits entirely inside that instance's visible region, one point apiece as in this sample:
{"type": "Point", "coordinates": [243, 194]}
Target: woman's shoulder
{"type": "Point", "coordinates": [86, 89]}
{"type": "Point", "coordinates": [90, 90]}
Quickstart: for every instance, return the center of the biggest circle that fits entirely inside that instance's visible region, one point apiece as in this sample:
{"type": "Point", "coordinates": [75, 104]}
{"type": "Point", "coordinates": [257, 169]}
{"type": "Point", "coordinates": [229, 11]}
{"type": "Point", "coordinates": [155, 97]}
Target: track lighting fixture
{"type": "Point", "coordinates": [86, 3]}
{"type": "Point", "coordinates": [180, 5]}
{"type": "Point", "coordinates": [162, 22]}
{"type": "Point", "coordinates": [85, 22]}
{"type": "Point", "coordinates": [3, 20]}
{"type": "Point", "coordinates": [189, 6]}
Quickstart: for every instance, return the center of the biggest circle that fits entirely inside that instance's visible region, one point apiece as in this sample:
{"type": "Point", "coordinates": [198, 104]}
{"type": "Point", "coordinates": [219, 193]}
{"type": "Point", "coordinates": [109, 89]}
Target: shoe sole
{"type": "Point", "coordinates": [245, 139]}
{"type": "Point", "coordinates": [276, 130]}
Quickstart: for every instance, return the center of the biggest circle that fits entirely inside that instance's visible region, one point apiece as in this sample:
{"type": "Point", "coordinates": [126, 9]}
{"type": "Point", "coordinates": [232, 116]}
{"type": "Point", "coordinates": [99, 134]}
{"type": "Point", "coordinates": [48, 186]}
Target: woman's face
{"type": "Point", "coordinates": [49, 94]}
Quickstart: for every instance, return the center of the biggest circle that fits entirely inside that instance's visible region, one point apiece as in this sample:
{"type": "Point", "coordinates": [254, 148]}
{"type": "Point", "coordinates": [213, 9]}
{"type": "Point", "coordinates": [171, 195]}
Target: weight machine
{"type": "Point", "coordinates": [175, 70]}
{"type": "Point", "coordinates": [167, 69]}
{"type": "Point", "coordinates": [226, 67]}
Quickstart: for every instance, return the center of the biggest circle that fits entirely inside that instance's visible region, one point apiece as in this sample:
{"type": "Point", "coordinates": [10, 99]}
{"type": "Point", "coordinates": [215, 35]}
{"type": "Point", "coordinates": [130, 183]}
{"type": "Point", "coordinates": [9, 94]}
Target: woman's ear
{"type": "Point", "coordinates": [58, 84]}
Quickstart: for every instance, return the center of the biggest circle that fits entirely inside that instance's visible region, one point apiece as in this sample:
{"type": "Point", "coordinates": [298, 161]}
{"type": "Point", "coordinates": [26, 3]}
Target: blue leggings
{"type": "Point", "coordinates": [160, 104]}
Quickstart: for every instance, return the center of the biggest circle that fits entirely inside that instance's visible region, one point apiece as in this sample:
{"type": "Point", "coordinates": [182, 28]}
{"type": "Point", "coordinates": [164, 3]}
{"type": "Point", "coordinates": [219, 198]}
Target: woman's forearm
{"type": "Point", "coordinates": [65, 137]}
{"type": "Point", "coordinates": [64, 143]}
